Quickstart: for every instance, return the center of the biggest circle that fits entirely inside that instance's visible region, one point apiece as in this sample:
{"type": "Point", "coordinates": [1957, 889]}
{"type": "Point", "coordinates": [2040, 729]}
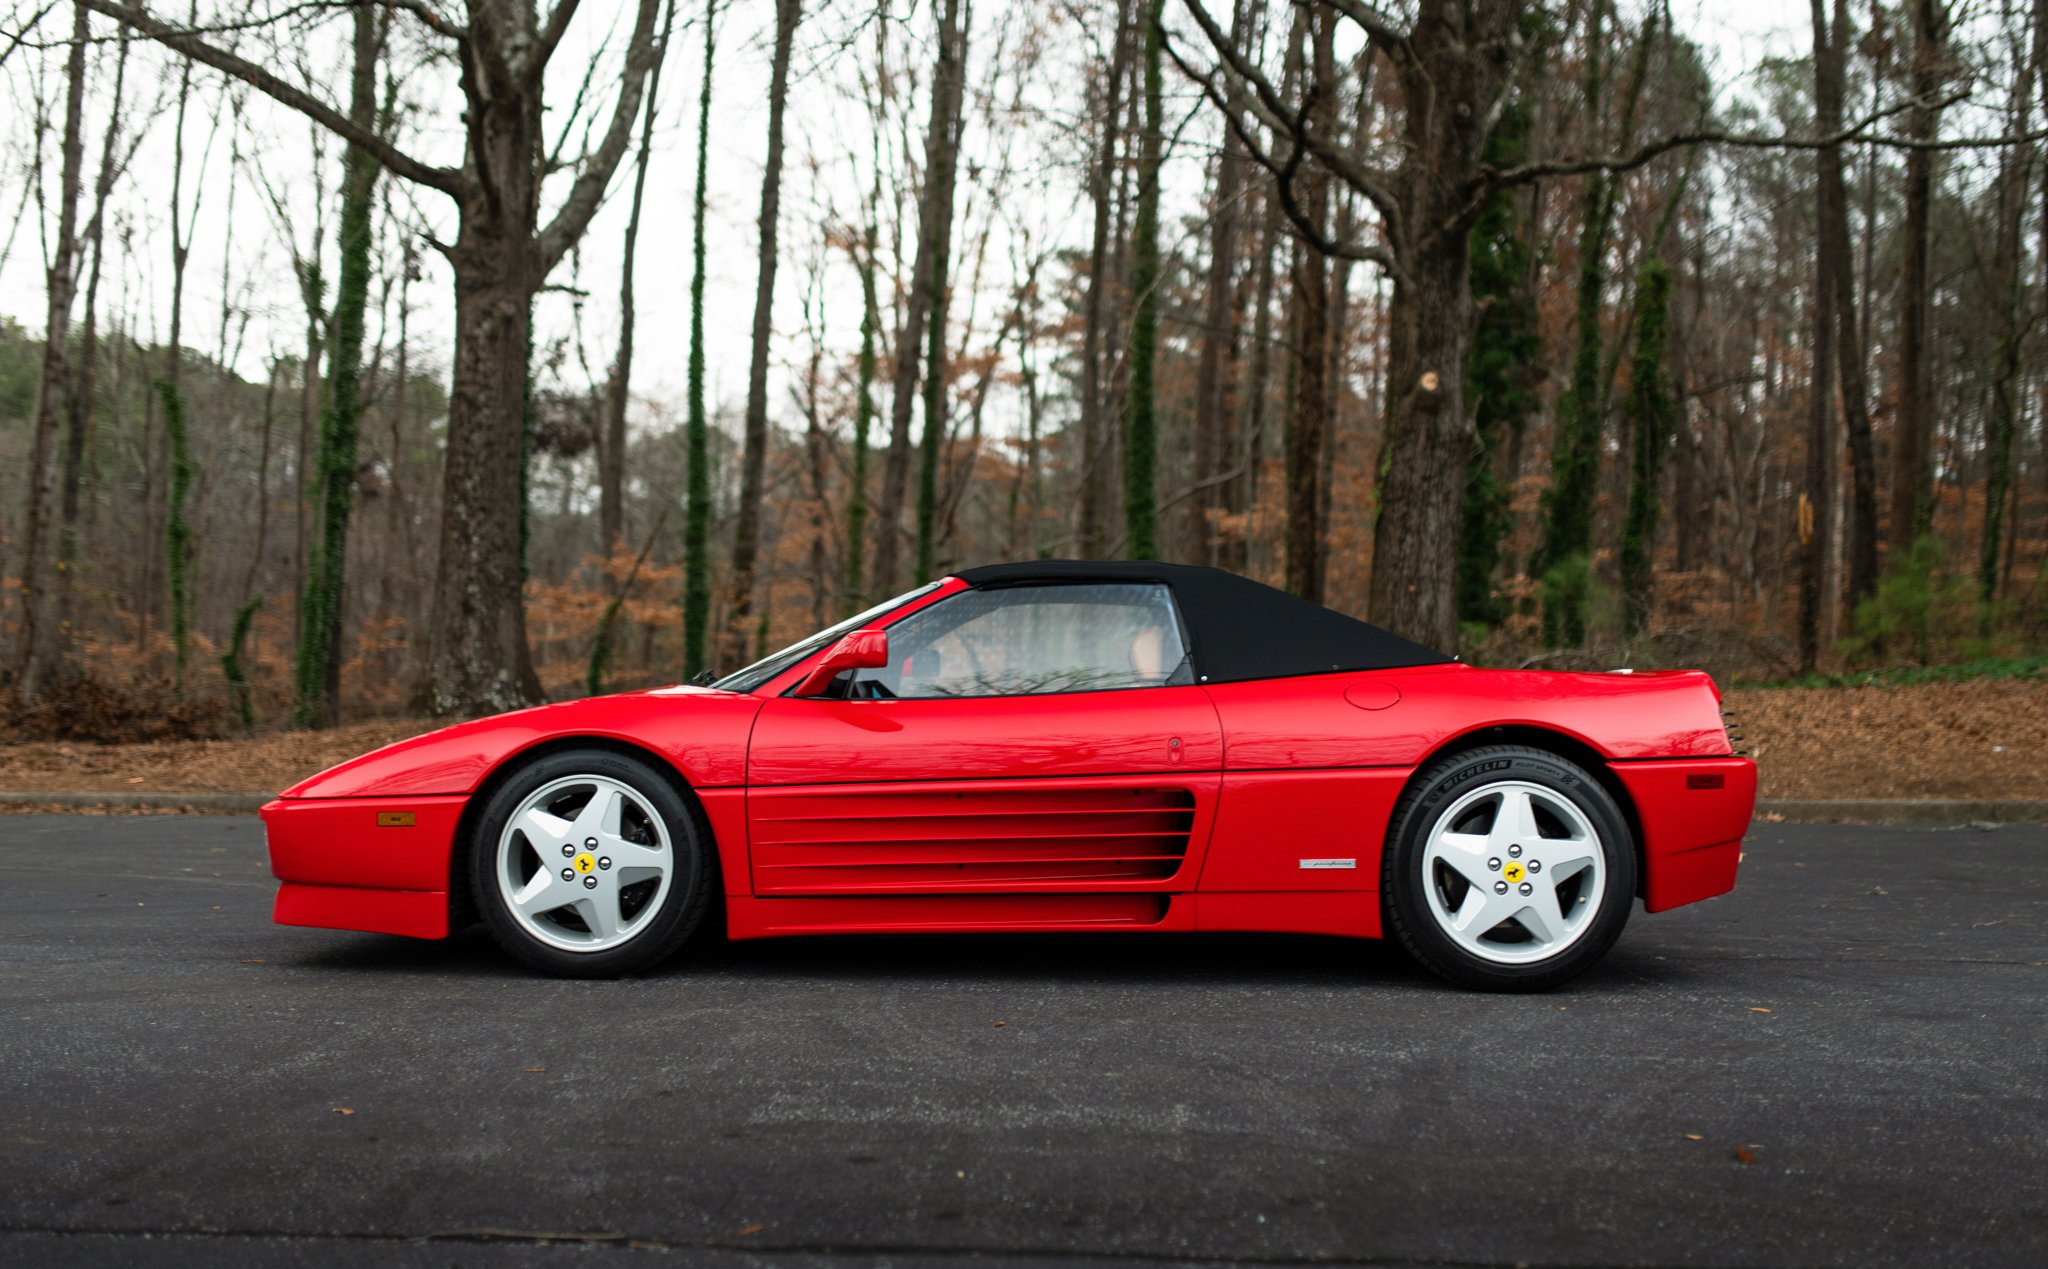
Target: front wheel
{"type": "Point", "coordinates": [1508, 868]}
{"type": "Point", "coordinates": [590, 864]}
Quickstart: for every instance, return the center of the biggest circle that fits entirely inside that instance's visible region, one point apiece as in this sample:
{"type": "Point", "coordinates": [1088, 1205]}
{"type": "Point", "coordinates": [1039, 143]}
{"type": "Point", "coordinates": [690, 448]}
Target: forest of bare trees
{"type": "Point", "coordinates": [409, 355]}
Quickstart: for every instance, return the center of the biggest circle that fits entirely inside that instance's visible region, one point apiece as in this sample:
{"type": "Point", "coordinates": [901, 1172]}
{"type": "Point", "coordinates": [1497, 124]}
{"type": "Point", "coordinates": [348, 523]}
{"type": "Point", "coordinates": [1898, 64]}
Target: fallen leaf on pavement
{"type": "Point", "coordinates": [746, 1231]}
{"type": "Point", "coordinates": [535, 1070]}
{"type": "Point", "coordinates": [343, 1110]}
{"type": "Point", "coordinates": [1002, 1024]}
{"type": "Point", "coordinates": [1745, 1155]}
{"type": "Point", "coordinates": [1693, 1136]}
{"type": "Point", "coordinates": [257, 961]}
{"type": "Point", "coordinates": [1758, 1009]}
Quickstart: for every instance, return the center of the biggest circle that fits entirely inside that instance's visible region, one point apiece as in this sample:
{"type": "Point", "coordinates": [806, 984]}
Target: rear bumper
{"type": "Point", "coordinates": [1694, 813]}
{"type": "Point", "coordinates": [379, 865]}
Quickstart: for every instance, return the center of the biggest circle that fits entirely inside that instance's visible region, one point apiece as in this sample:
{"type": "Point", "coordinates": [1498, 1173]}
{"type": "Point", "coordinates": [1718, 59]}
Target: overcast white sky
{"type": "Point", "coordinates": [827, 127]}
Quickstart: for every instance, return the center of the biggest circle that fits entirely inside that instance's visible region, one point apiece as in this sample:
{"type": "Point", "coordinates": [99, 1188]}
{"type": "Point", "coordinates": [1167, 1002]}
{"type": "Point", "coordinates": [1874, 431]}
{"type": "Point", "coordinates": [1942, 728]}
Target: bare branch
{"type": "Point", "coordinates": [550, 37]}
{"type": "Point", "coordinates": [1382, 29]}
{"type": "Point", "coordinates": [1283, 172]}
{"type": "Point", "coordinates": [429, 17]}
{"type": "Point", "coordinates": [22, 35]}
{"type": "Point", "coordinates": [396, 161]}
{"type": "Point", "coordinates": [587, 194]}
{"type": "Point", "coordinates": [1374, 184]}
{"type": "Point", "coordinates": [1858, 131]}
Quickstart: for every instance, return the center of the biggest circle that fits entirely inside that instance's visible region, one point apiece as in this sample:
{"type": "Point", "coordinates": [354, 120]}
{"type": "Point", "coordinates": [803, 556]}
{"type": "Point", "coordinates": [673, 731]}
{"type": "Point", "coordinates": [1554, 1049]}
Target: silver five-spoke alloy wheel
{"type": "Point", "coordinates": [584, 863]}
{"type": "Point", "coordinates": [1513, 872]}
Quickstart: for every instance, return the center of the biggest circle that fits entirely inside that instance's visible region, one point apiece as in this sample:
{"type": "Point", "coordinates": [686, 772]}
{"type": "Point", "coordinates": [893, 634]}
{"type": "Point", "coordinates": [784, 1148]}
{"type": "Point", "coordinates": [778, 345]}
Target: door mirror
{"type": "Point", "coordinates": [861, 650]}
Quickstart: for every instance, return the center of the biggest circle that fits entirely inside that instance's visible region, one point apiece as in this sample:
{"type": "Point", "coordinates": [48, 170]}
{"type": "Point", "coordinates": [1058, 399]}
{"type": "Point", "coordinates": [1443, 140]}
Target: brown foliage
{"type": "Point", "coordinates": [87, 707]}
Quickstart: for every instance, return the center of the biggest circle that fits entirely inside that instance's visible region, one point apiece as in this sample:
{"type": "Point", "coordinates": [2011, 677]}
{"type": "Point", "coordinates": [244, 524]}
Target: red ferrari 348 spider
{"type": "Point", "coordinates": [1049, 746]}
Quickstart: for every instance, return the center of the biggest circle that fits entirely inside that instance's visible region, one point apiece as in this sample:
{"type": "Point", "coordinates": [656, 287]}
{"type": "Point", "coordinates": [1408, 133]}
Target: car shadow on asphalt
{"type": "Point", "coordinates": [1248, 960]}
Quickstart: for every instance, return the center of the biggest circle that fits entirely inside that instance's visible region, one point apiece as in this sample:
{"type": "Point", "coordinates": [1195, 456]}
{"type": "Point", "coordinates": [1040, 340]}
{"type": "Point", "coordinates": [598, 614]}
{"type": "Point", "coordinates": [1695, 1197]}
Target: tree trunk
{"type": "Point", "coordinates": [611, 476]}
{"type": "Point", "coordinates": [1652, 410]}
{"type": "Point", "coordinates": [1832, 206]}
{"type": "Point", "coordinates": [1141, 423]}
{"type": "Point", "coordinates": [854, 599]}
{"type": "Point", "coordinates": [1504, 347]}
{"type": "Point", "coordinates": [83, 397]}
{"type": "Point", "coordinates": [2013, 322]}
{"type": "Point", "coordinates": [1308, 421]}
{"type": "Point", "coordinates": [478, 661]}
{"type": "Point", "coordinates": [1911, 469]}
{"type": "Point", "coordinates": [746, 543]}
{"type": "Point", "coordinates": [697, 500]}
{"type": "Point", "coordinates": [1243, 493]}
{"type": "Point", "coordinates": [1563, 561]}
{"type": "Point", "coordinates": [943, 150]}
{"type": "Point", "coordinates": [1816, 498]}
{"type": "Point", "coordinates": [1093, 515]}
{"type": "Point", "coordinates": [321, 611]}
{"type": "Point", "coordinates": [35, 648]}
{"type": "Point", "coordinates": [910, 340]}
{"type": "Point", "coordinates": [1429, 430]}
{"type": "Point", "coordinates": [1216, 368]}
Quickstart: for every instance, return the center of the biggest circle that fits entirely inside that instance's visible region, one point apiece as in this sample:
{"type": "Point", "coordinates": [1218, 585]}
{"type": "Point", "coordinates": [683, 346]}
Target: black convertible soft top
{"type": "Point", "coordinates": [1240, 629]}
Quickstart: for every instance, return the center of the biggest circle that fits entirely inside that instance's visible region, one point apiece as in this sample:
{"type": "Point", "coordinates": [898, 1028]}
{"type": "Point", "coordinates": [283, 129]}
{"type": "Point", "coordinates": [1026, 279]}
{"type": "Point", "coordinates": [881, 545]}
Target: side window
{"type": "Point", "coordinates": [1031, 640]}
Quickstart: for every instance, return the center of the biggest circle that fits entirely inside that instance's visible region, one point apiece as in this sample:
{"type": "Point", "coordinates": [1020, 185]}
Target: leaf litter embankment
{"type": "Point", "coordinates": [1983, 738]}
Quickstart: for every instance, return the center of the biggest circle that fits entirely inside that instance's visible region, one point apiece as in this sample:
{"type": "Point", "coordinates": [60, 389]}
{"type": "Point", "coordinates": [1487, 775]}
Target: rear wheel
{"type": "Point", "coordinates": [589, 863]}
{"type": "Point", "coordinates": [1508, 868]}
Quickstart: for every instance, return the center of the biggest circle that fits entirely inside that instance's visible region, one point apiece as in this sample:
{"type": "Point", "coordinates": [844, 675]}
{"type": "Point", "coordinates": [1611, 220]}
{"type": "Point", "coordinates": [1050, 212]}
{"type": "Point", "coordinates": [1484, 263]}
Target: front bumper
{"type": "Point", "coordinates": [381, 865]}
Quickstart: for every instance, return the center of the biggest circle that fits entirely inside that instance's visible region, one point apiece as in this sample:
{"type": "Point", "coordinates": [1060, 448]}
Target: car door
{"type": "Point", "coordinates": [1022, 739]}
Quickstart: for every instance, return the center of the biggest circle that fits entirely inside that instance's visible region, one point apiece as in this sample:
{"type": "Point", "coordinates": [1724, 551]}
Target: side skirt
{"type": "Point", "coordinates": [1353, 914]}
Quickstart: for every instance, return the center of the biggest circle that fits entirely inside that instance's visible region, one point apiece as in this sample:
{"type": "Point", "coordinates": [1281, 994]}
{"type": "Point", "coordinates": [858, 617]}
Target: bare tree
{"type": "Point", "coordinates": [1911, 440]}
{"type": "Point", "coordinates": [754, 458]}
{"type": "Point", "coordinates": [36, 646]}
{"type": "Point", "coordinates": [478, 658]}
{"type": "Point", "coordinates": [1095, 436]}
{"type": "Point", "coordinates": [1832, 206]}
{"type": "Point", "coordinates": [612, 448]}
{"type": "Point", "coordinates": [934, 230]}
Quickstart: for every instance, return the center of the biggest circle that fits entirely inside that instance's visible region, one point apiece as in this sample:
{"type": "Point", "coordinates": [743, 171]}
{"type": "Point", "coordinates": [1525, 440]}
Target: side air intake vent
{"type": "Point", "coordinates": [1734, 730]}
{"type": "Point", "coordinates": [912, 842]}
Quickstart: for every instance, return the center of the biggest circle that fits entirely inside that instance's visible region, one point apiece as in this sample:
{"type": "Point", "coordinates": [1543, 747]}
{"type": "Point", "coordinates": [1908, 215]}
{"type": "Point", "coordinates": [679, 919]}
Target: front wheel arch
{"type": "Point", "coordinates": [462, 911]}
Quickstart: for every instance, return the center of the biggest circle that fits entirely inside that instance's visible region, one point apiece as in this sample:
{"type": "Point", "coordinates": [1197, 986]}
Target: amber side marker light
{"type": "Point", "coordinates": [1691, 782]}
{"type": "Point", "coordinates": [403, 819]}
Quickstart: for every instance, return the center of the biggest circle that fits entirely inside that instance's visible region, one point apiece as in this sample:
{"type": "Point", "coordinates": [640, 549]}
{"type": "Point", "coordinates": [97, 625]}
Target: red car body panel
{"type": "Point", "coordinates": [1253, 805]}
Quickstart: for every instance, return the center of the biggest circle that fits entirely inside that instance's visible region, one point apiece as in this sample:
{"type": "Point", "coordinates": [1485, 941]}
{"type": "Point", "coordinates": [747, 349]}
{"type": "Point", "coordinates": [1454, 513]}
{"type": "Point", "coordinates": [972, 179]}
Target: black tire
{"type": "Point", "coordinates": [1434, 792]}
{"type": "Point", "coordinates": [694, 877]}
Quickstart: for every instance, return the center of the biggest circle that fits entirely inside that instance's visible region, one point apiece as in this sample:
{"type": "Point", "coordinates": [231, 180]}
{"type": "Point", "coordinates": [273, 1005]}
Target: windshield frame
{"type": "Point", "coordinates": [761, 673]}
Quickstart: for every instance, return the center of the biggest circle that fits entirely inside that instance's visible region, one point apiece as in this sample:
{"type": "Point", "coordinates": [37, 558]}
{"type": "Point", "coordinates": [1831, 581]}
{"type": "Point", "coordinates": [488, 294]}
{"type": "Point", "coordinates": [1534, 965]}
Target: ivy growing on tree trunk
{"type": "Point", "coordinates": [1653, 411]}
{"type": "Point", "coordinates": [1141, 423]}
{"type": "Point", "coordinates": [177, 533]}
{"type": "Point", "coordinates": [1504, 347]}
{"type": "Point", "coordinates": [320, 614]}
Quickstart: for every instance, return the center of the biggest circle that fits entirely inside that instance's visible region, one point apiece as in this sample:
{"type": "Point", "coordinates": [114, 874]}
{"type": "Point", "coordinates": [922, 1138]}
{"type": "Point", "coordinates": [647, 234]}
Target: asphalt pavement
{"type": "Point", "coordinates": [1845, 1062]}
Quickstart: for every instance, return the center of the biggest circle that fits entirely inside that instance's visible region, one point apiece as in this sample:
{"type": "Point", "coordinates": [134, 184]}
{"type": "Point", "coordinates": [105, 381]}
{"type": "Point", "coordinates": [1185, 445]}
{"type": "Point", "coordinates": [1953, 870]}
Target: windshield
{"type": "Point", "coordinates": [769, 666]}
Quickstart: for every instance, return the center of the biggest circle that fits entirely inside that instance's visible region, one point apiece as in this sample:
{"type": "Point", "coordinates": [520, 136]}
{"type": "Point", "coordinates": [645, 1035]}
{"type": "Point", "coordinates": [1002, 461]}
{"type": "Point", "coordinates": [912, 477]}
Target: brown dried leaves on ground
{"type": "Point", "coordinates": [1977, 739]}
{"type": "Point", "coordinates": [261, 764]}
{"type": "Point", "coordinates": [1982, 738]}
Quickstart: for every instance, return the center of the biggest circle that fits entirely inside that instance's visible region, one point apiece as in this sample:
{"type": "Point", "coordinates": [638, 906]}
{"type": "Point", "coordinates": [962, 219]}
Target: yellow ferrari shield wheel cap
{"type": "Point", "coordinates": [585, 862]}
{"type": "Point", "coordinates": [1513, 872]}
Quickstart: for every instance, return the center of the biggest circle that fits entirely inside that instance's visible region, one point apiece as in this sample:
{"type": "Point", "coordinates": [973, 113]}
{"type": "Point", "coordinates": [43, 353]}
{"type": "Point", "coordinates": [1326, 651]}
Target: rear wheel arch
{"type": "Point", "coordinates": [1570, 748]}
{"type": "Point", "coordinates": [462, 911]}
